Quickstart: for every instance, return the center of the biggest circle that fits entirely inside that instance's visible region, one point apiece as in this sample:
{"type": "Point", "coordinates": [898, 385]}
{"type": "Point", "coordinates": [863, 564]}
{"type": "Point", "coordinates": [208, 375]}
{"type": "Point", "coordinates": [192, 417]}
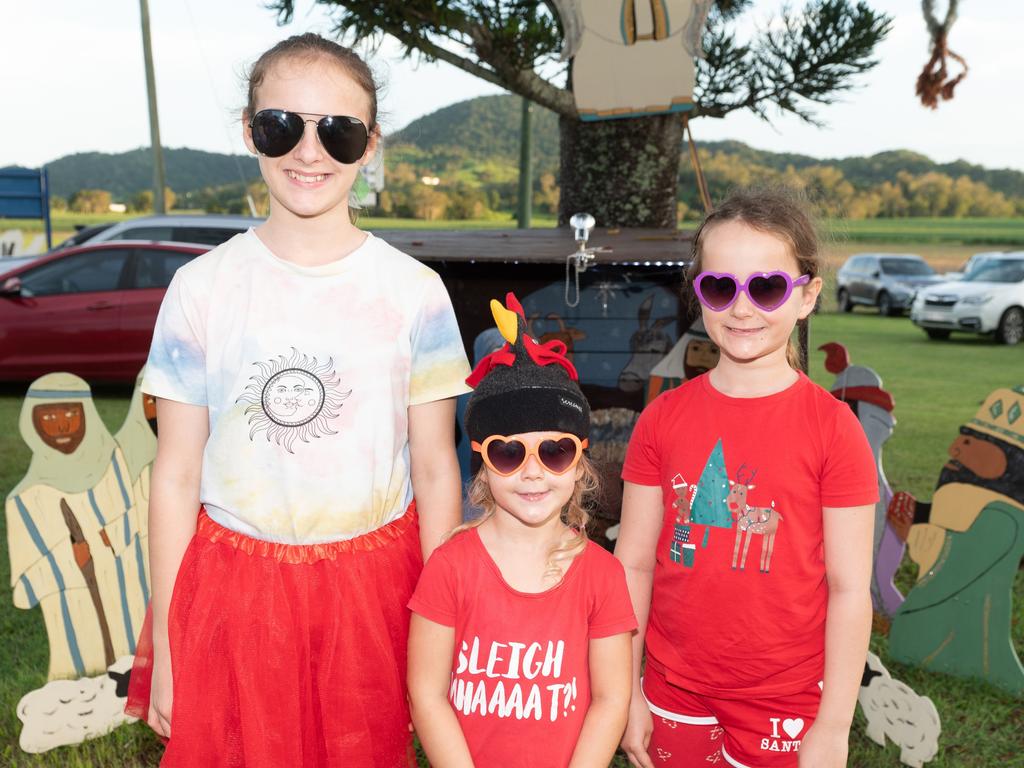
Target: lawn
{"type": "Point", "coordinates": [934, 230]}
{"type": "Point", "coordinates": [937, 387]}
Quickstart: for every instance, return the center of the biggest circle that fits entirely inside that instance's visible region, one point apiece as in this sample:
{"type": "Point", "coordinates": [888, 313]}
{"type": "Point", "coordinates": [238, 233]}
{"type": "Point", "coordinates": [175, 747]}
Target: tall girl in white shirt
{"type": "Point", "coordinates": [305, 373]}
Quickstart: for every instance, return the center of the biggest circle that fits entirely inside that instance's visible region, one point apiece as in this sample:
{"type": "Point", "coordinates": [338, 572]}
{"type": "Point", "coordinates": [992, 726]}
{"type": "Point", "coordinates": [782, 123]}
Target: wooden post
{"type": "Point", "coordinates": [525, 213]}
{"type": "Point", "coordinates": [159, 182]}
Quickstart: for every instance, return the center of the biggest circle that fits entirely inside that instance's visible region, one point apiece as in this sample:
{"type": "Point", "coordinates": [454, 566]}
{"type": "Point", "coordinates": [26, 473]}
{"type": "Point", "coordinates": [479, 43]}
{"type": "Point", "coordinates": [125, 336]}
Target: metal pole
{"type": "Point", "coordinates": [45, 181]}
{"type": "Point", "coordinates": [525, 169]}
{"type": "Point", "coordinates": [159, 182]}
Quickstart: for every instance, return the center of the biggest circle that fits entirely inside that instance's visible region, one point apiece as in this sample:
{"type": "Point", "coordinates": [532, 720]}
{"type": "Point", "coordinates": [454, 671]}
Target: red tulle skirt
{"type": "Point", "coordinates": [288, 655]}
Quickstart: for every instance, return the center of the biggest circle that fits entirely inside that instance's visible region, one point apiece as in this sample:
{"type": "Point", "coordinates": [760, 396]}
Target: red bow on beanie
{"type": "Point", "coordinates": [511, 321]}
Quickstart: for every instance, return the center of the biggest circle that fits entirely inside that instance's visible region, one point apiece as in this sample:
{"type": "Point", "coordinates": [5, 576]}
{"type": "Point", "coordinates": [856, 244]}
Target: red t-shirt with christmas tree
{"type": "Point", "coordinates": [520, 682]}
{"type": "Point", "coordinates": [739, 598]}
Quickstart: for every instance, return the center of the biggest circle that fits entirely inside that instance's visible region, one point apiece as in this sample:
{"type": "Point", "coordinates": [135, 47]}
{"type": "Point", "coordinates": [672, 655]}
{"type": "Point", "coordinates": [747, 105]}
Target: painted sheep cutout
{"type": "Point", "coordinates": [893, 710]}
{"type": "Point", "coordinates": [65, 712]}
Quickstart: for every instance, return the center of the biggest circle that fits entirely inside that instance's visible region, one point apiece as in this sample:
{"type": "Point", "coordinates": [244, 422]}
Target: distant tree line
{"type": "Point", "coordinates": [445, 182]}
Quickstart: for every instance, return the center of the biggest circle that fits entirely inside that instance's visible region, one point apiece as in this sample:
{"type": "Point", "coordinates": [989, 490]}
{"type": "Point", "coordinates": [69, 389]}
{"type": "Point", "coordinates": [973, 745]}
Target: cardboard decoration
{"type": "Point", "coordinates": [72, 531]}
{"type": "Point", "coordinates": [893, 710]}
{"type": "Point", "coordinates": [632, 57]}
{"type": "Point", "coordinates": [695, 353]}
{"type": "Point", "coordinates": [137, 440]}
{"type": "Point", "coordinates": [861, 388]}
{"type": "Point", "coordinates": [968, 544]}
{"type": "Point", "coordinates": [66, 712]}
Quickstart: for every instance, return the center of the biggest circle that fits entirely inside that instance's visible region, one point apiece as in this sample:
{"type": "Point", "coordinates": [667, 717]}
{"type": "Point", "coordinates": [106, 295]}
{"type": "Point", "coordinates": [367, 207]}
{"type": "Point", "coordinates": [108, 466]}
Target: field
{"type": "Point", "coordinates": [925, 230]}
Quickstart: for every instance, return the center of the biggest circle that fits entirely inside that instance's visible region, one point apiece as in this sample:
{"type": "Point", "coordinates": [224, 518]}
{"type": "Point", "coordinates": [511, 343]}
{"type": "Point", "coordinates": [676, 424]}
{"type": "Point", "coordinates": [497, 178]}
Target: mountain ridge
{"type": "Point", "coordinates": [480, 130]}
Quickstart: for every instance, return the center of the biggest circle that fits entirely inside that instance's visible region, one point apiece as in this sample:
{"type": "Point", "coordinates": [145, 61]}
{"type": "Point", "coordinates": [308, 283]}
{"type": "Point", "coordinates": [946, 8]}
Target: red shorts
{"type": "Point", "coordinates": [695, 730]}
{"type": "Point", "coordinates": [288, 655]}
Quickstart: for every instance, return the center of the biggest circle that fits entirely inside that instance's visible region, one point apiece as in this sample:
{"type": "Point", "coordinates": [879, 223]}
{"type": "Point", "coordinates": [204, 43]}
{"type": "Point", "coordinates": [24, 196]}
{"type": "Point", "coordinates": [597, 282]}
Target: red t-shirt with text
{"type": "Point", "coordinates": [520, 683]}
{"type": "Point", "coordinates": [739, 598]}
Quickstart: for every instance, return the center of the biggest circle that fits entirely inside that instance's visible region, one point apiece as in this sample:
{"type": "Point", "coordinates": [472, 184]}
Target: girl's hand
{"type": "Point", "coordinates": [824, 746]}
{"type": "Point", "coordinates": [638, 733]}
{"type": "Point", "coordinates": [161, 695]}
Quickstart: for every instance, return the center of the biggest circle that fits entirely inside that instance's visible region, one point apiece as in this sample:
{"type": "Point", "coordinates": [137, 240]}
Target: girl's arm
{"type": "Point", "coordinates": [610, 683]}
{"type": "Point", "coordinates": [173, 511]}
{"type": "Point", "coordinates": [638, 538]}
{"type": "Point", "coordinates": [848, 537]}
{"type": "Point", "coordinates": [436, 482]}
{"type": "Point", "coordinates": [430, 672]}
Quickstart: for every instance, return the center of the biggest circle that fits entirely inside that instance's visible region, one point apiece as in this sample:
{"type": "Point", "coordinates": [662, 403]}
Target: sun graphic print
{"type": "Point", "coordinates": [293, 398]}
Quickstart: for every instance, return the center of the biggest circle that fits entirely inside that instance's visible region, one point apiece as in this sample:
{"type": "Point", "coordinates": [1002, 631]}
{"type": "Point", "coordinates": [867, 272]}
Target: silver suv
{"type": "Point", "coordinates": [888, 281]}
{"type": "Point", "coordinates": [207, 229]}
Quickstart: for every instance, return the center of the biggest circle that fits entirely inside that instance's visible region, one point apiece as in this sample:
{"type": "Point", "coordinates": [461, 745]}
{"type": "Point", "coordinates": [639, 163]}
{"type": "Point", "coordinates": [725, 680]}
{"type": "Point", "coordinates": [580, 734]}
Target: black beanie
{"type": "Point", "coordinates": [524, 386]}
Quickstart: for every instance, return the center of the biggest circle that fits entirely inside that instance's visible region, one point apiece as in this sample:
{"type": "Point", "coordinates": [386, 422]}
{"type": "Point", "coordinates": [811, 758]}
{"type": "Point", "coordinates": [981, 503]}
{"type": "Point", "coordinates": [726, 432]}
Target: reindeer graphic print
{"type": "Point", "coordinates": [717, 500]}
{"type": "Point", "coordinates": [752, 521]}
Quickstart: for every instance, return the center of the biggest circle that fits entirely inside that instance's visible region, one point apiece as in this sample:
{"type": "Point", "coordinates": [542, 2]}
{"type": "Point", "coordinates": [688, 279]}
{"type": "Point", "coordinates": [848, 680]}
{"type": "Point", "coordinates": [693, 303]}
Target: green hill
{"type": "Point", "coordinates": [475, 144]}
{"type": "Point", "coordinates": [487, 126]}
{"type": "Point", "coordinates": [127, 173]}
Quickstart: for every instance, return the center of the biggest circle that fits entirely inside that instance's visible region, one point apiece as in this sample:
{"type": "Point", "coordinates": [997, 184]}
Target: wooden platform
{"type": "Point", "coordinates": [635, 247]}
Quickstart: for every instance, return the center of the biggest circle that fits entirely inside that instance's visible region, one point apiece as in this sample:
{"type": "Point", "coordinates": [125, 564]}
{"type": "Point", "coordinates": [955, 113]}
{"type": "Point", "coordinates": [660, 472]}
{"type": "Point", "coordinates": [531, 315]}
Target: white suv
{"type": "Point", "coordinates": [989, 299]}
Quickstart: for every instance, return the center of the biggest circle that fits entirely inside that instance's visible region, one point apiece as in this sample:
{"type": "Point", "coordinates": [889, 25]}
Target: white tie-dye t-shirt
{"type": "Point", "coordinates": [308, 374]}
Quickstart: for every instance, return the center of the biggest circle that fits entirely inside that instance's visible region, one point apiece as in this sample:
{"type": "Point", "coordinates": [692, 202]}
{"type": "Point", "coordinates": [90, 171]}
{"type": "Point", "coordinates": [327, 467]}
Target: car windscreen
{"type": "Point", "coordinates": [906, 267]}
{"type": "Point", "coordinates": [204, 235]}
{"type": "Point", "coordinates": [84, 235]}
{"type": "Point", "coordinates": [997, 271]}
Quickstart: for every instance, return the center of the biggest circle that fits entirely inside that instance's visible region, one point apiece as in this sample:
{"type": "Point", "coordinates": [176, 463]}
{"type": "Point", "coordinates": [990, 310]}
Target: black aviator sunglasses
{"type": "Point", "coordinates": [276, 132]}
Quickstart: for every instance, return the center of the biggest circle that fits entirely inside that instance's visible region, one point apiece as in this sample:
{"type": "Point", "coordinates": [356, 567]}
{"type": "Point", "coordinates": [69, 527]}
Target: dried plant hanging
{"type": "Point", "coordinates": [934, 82]}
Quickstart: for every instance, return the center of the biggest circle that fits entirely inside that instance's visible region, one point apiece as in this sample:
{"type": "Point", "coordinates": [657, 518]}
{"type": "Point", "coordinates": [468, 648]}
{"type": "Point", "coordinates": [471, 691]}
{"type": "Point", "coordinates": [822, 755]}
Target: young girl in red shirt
{"type": "Point", "coordinates": [519, 648]}
{"type": "Point", "coordinates": [747, 522]}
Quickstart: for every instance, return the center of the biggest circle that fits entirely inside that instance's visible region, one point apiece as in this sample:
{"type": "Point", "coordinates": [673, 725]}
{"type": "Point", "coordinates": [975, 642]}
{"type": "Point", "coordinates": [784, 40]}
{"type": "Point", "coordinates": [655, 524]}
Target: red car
{"type": "Point", "coordinates": [88, 310]}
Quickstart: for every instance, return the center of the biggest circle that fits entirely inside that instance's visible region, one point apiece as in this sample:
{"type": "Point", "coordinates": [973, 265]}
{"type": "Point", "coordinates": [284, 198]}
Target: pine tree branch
{"type": "Point", "coordinates": [809, 59]}
{"type": "Point", "coordinates": [502, 39]}
{"type": "Point", "coordinates": [804, 61]}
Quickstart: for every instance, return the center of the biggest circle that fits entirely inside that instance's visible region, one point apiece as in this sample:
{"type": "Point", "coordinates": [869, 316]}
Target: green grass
{"type": "Point", "coordinates": [937, 387]}
{"type": "Point", "coordinates": [933, 230]}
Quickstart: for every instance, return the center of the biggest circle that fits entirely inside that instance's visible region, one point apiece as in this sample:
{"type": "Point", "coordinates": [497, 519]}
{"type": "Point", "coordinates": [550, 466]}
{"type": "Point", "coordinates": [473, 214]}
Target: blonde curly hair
{"type": "Point", "coordinates": [575, 515]}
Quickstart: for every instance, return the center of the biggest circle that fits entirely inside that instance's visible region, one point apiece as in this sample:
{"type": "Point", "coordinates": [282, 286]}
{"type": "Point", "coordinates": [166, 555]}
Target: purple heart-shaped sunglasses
{"type": "Point", "coordinates": [767, 290]}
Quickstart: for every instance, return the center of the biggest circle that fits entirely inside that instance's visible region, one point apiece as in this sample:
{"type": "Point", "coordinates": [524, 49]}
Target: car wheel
{"type": "Point", "coordinates": [1011, 326]}
{"type": "Point", "coordinates": [937, 333]}
{"type": "Point", "coordinates": [845, 305]}
{"type": "Point", "coordinates": [884, 304]}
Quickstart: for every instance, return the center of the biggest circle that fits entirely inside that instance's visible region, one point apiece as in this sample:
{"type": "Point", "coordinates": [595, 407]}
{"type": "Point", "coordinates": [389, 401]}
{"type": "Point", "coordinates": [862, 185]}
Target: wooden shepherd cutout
{"type": "Point", "coordinates": [72, 532]}
{"type": "Point", "coordinates": [968, 544]}
{"type": "Point", "coordinates": [137, 440]}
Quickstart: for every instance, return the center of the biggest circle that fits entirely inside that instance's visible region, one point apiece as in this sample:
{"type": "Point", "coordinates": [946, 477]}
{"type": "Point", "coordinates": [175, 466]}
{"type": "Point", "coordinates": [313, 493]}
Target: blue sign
{"type": "Point", "coordinates": [25, 194]}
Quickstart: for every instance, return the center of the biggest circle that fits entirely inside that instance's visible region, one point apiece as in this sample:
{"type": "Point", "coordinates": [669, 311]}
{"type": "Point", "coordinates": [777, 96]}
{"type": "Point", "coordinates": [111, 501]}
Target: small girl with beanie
{"type": "Point", "coordinates": [519, 647]}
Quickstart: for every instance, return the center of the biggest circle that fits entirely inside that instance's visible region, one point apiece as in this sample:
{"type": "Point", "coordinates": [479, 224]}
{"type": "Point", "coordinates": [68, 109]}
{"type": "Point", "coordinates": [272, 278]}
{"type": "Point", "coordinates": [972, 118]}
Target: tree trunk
{"type": "Point", "coordinates": [623, 172]}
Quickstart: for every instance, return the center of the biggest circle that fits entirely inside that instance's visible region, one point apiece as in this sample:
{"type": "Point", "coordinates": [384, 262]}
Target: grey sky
{"type": "Point", "coordinates": [73, 72]}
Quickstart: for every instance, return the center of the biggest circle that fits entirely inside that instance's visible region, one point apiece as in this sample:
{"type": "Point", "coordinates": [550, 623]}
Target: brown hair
{"type": "Point", "coordinates": [776, 210]}
{"type": "Point", "coordinates": [575, 514]}
{"type": "Point", "coordinates": [310, 47]}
